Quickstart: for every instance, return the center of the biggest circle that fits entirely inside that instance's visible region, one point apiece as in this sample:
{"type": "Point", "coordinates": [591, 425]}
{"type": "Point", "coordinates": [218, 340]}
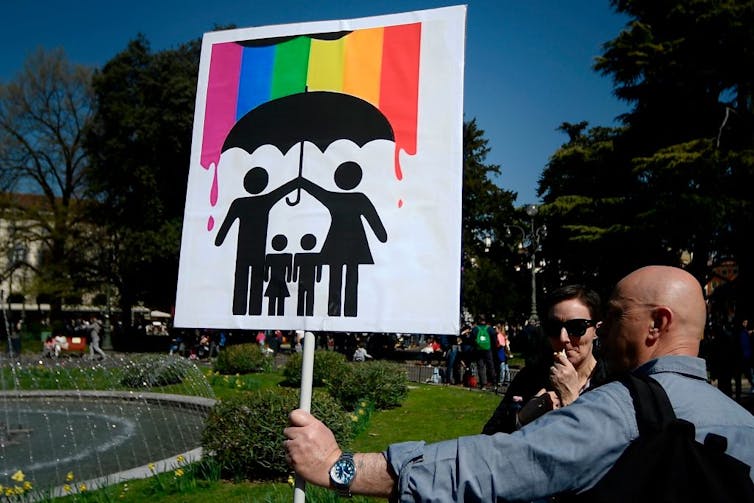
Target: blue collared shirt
{"type": "Point", "coordinates": [568, 449]}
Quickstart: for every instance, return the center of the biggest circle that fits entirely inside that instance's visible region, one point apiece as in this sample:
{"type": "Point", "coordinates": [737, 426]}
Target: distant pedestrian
{"type": "Point", "coordinates": [502, 353]}
{"type": "Point", "coordinates": [483, 335]}
{"type": "Point", "coordinates": [744, 360]}
{"type": "Point", "coordinates": [360, 354]}
{"type": "Point", "coordinates": [95, 327]}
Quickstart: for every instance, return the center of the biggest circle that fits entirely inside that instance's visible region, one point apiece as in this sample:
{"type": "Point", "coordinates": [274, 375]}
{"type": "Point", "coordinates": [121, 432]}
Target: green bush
{"type": "Point", "coordinates": [244, 434]}
{"type": "Point", "coordinates": [242, 359]}
{"type": "Point", "coordinates": [328, 366]}
{"type": "Point", "coordinates": [384, 384]}
{"type": "Point", "coordinates": [146, 371]}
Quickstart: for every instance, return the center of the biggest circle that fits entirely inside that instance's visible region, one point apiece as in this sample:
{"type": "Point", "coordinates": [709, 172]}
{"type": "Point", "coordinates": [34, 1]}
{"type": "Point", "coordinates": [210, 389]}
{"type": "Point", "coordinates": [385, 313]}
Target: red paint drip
{"type": "Point", "coordinates": [210, 223]}
{"type": "Point", "coordinates": [397, 162]}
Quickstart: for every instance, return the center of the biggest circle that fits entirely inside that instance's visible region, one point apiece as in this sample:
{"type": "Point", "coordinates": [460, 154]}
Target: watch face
{"type": "Point", "coordinates": [343, 471]}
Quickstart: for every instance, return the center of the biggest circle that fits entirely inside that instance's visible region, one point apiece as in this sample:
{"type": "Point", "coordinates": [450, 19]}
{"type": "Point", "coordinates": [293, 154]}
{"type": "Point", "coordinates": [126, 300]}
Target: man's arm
{"type": "Point", "coordinates": [311, 449]}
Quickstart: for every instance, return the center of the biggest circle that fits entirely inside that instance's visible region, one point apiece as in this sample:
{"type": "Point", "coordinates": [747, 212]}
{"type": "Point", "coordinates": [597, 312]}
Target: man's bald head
{"type": "Point", "coordinates": [671, 287]}
{"type": "Point", "coordinates": [654, 311]}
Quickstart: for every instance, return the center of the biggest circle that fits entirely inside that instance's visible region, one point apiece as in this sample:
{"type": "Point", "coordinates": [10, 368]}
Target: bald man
{"type": "Point", "coordinates": [655, 321]}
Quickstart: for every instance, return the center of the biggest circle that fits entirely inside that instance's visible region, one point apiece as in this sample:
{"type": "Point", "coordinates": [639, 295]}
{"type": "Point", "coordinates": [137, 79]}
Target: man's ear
{"type": "Point", "coordinates": [661, 319]}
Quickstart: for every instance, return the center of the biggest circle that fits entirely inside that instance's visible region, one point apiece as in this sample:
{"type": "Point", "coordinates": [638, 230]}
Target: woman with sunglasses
{"type": "Point", "coordinates": [568, 368]}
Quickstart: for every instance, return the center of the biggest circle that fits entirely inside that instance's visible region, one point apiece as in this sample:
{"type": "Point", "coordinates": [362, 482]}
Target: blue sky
{"type": "Point", "coordinates": [528, 62]}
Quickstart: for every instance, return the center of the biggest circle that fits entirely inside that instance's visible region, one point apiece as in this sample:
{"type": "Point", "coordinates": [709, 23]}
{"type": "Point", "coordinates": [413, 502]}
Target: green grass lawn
{"type": "Point", "coordinates": [431, 413]}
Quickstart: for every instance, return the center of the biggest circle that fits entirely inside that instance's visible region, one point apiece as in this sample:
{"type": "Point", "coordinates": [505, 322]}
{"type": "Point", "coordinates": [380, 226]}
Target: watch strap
{"type": "Point", "coordinates": [343, 490]}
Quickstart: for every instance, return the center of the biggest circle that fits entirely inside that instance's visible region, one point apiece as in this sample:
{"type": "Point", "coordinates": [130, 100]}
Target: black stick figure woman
{"type": "Point", "coordinates": [346, 245]}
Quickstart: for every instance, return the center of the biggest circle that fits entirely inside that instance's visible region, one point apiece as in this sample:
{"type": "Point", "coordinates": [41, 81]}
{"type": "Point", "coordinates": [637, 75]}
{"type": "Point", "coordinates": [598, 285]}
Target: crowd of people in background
{"type": "Point", "coordinates": [479, 356]}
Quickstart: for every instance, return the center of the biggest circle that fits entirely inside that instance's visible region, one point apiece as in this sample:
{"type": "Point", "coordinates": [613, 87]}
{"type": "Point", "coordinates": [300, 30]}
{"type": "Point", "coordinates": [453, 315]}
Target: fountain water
{"type": "Point", "coordinates": [106, 421]}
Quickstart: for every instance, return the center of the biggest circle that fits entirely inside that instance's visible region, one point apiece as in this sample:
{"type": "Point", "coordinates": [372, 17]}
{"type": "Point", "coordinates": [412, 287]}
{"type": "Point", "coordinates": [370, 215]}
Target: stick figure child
{"type": "Point", "coordinates": [307, 269]}
{"type": "Point", "coordinates": [278, 274]}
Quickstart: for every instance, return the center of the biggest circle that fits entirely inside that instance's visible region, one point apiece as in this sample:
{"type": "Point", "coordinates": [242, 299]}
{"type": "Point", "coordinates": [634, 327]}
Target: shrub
{"type": "Point", "coordinates": [328, 366]}
{"type": "Point", "coordinates": [384, 384]}
{"type": "Point", "coordinates": [244, 434]}
{"type": "Point", "coordinates": [242, 359]}
{"type": "Point", "coordinates": [146, 371]}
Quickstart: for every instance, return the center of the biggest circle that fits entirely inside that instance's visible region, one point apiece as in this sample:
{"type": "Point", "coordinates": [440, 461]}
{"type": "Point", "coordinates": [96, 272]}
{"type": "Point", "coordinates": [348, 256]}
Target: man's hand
{"type": "Point", "coordinates": [311, 448]}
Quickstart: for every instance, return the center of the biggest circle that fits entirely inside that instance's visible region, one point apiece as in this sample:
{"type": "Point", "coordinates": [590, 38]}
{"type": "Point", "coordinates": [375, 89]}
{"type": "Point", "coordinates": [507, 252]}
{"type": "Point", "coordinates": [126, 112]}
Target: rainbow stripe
{"type": "Point", "coordinates": [378, 65]}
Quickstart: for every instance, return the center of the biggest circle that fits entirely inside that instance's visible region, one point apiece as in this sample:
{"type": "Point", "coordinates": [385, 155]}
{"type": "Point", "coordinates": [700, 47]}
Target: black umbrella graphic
{"type": "Point", "coordinates": [319, 117]}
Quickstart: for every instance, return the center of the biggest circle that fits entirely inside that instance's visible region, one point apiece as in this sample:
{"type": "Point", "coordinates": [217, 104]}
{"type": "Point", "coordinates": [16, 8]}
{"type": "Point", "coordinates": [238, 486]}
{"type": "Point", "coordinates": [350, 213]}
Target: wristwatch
{"type": "Point", "coordinates": [342, 473]}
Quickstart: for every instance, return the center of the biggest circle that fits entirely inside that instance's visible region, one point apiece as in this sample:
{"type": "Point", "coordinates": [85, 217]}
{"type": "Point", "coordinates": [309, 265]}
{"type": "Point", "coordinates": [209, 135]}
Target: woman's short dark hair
{"type": "Point", "coordinates": [590, 298]}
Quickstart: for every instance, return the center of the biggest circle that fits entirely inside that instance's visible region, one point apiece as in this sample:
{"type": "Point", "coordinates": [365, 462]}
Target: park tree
{"type": "Point", "coordinates": [584, 208]}
{"type": "Point", "coordinates": [684, 67]}
{"type": "Point", "coordinates": [44, 112]}
{"type": "Point", "coordinates": [675, 176]}
{"type": "Point", "coordinates": [488, 257]}
{"type": "Point", "coordinates": [139, 147]}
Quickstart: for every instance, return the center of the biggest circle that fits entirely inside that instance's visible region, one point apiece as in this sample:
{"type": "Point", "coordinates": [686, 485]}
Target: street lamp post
{"type": "Point", "coordinates": [533, 237]}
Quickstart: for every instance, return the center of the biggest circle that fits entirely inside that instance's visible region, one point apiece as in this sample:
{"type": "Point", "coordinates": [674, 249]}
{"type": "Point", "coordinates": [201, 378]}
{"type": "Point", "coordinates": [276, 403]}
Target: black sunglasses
{"type": "Point", "coordinates": [575, 328]}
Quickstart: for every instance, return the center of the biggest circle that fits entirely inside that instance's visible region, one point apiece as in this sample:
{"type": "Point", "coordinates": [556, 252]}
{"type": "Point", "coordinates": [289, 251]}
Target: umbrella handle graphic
{"type": "Point", "coordinates": [298, 198]}
{"type": "Point", "coordinates": [300, 172]}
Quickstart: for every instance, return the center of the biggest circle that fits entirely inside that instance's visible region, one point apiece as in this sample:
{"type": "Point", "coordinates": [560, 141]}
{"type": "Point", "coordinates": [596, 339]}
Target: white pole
{"type": "Point", "coordinates": [305, 401]}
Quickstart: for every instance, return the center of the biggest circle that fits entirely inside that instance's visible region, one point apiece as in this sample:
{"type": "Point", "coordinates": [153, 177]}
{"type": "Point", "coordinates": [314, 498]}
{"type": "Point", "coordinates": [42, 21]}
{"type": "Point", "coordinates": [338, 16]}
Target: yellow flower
{"type": "Point", "coordinates": [18, 476]}
{"type": "Point", "coordinates": [69, 476]}
{"type": "Point", "coordinates": [363, 403]}
{"type": "Point", "coordinates": [151, 467]}
{"type": "Point", "coordinates": [354, 418]}
{"type": "Point", "coordinates": [361, 412]}
{"type": "Point", "coordinates": [291, 480]}
{"type": "Point", "coordinates": [27, 485]}
{"type": "Point", "coordinates": [9, 491]}
{"type": "Point", "coordinates": [66, 488]}
{"type": "Point", "coordinates": [180, 458]}
{"type": "Point", "coordinates": [18, 490]}
{"type": "Point", "coordinates": [179, 473]}
{"type": "Point", "coordinates": [82, 487]}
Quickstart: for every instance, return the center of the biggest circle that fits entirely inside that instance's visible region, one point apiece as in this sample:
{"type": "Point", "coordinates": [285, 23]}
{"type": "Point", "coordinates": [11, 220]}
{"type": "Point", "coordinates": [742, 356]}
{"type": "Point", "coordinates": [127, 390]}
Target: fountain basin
{"type": "Point", "coordinates": [103, 437]}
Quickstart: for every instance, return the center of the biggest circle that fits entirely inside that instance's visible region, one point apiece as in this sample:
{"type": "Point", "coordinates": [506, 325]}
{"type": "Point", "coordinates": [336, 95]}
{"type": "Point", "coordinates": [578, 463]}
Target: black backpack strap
{"type": "Point", "coordinates": [653, 410]}
{"type": "Point", "coordinates": [651, 403]}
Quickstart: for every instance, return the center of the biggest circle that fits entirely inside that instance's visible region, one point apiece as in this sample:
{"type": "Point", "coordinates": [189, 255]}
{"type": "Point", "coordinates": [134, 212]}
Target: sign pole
{"type": "Point", "coordinates": [305, 401]}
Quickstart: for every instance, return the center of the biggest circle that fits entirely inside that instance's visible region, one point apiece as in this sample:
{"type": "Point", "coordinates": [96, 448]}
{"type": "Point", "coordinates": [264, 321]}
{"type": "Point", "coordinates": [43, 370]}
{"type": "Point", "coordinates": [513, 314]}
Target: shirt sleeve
{"type": "Point", "coordinates": [567, 450]}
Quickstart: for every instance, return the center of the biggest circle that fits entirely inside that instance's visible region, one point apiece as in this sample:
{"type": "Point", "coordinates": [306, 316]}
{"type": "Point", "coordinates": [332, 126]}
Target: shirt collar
{"type": "Point", "coordinates": [688, 365]}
